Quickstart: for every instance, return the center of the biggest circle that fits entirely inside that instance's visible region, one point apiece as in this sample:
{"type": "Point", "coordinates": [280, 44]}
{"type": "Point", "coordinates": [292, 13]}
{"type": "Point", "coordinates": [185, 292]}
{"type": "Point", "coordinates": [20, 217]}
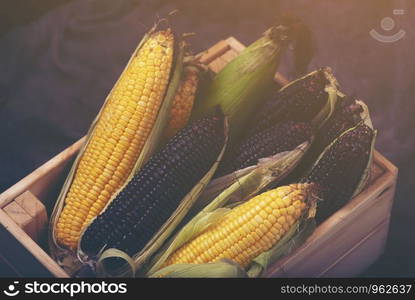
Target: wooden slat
{"type": "Point", "coordinates": [353, 261]}
{"type": "Point", "coordinates": [21, 218]}
{"type": "Point", "coordinates": [385, 164]}
{"type": "Point", "coordinates": [375, 172]}
{"type": "Point", "coordinates": [29, 214]}
{"type": "Point", "coordinates": [217, 64]}
{"type": "Point", "coordinates": [214, 52]}
{"type": "Point", "coordinates": [229, 55]}
{"type": "Point", "coordinates": [37, 212]}
{"type": "Point", "coordinates": [31, 204]}
{"type": "Point", "coordinates": [364, 253]}
{"type": "Point", "coordinates": [235, 44]}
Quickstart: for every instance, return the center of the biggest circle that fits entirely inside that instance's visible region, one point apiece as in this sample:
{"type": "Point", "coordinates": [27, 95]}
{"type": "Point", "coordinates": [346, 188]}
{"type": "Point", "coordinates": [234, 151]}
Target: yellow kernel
{"type": "Point", "coordinates": [266, 239]}
{"type": "Point", "coordinates": [279, 203]}
{"type": "Point", "coordinates": [255, 235]}
{"type": "Point", "coordinates": [274, 231]}
{"type": "Point", "coordinates": [259, 232]}
{"type": "Point", "coordinates": [273, 194]}
{"type": "Point", "coordinates": [272, 218]}
{"type": "Point", "coordinates": [258, 219]}
{"type": "Point", "coordinates": [263, 214]}
{"type": "Point", "coordinates": [297, 203]}
{"type": "Point", "coordinates": [263, 228]}
{"type": "Point", "coordinates": [268, 209]}
{"type": "Point", "coordinates": [267, 223]}
{"type": "Point", "coordinates": [253, 224]}
{"type": "Point", "coordinates": [276, 213]}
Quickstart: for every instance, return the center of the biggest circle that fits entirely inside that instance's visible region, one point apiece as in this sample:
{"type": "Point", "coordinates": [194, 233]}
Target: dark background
{"type": "Point", "coordinates": [60, 58]}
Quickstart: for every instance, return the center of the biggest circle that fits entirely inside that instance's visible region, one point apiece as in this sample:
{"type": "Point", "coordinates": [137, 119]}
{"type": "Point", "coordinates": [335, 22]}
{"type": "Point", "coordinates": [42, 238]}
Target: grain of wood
{"type": "Point", "coordinates": [215, 66]}
{"type": "Point", "coordinates": [36, 210]}
{"type": "Point", "coordinates": [22, 219]}
{"type": "Point", "coordinates": [229, 55]}
{"type": "Point", "coordinates": [214, 52]}
{"type": "Point", "coordinates": [375, 172]}
{"type": "Point", "coordinates": [31, 204]}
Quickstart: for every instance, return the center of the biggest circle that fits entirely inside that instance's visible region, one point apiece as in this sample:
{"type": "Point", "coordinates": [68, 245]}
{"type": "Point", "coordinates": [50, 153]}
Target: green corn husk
{"type": "Point", "coordinates": [242, 83]}
{"type": "Point", "coordinates": [210, 215]}
{"type": "Point", "coordinates": [134, 264]}
{"type": "Point", "coordinates": [66, 258]}
{"type": "Point", "coordinates": [222, 269]}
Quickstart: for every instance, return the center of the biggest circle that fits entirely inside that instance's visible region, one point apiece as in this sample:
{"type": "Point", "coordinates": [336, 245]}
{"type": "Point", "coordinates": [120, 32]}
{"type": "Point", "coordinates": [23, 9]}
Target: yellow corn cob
{"type": "Point", "coordinates": [118, 137]}
{"type": "Point", "coordinates": [247, 230]}
{"type": "Point", "coordinates": [183, 102]}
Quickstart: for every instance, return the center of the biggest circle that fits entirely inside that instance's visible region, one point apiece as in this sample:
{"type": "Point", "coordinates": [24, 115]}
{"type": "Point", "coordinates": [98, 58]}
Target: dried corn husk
{"type": "Point", "coordinates": [364, 176]}
{"type": "Point", "coordinates": [366, 119]}
{"type": "Point", "coordinates": [242, 184]}
{"type": "Point", "coordinates": [66, 258]}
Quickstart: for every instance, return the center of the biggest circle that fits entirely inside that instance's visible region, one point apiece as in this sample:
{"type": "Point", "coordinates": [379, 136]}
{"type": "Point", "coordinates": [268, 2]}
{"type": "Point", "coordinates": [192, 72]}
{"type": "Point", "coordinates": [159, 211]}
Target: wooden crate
{"type": "Point", "coordinates": [344, 245]}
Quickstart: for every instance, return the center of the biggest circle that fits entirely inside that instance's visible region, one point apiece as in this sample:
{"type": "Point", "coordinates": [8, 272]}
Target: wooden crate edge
{"type": "Point", "coordinates": [382, 226]}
